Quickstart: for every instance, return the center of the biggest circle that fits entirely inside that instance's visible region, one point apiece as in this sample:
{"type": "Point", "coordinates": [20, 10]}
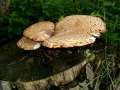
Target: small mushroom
{"type": "Point", "coordinates": [28, 44]}
{"type": "Point", "coordinates": [39, 31]}
{"type": "Point", "coordinates": [35, 34]}
{"type": "Point", "coordinates": [76, 30]}
{"type": "Point", "coordinates": [83, 24]}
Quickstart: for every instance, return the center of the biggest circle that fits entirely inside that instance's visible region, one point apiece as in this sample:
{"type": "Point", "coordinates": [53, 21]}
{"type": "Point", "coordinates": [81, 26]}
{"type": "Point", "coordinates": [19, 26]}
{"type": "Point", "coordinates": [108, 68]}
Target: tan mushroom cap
{"type": "Point", "coordinates": [28, 44]}
{"type": "Point", "coordinates": [83, 24]}
{"type": "Point", "coordinates": [76, 30]}
{"type": "Point", "coordinates": [39, 31]}
{"type": "Point", "coordinates": [68, 40]}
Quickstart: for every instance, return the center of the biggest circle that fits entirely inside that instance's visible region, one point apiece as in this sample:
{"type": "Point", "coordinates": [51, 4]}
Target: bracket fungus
{"type": "Point", "coordinates": [69, 40]}
{"type": "Point", "coordinates": [76, 30]}
{"type": "Point", "coordinates": [35, 34]}
{"type": "Point", "coordinates": [72, 31]}
{"type": "Point", "coordinates": [83, 24]}
{"type": "Point", "coordinates": [28, 44]}
{"type": "Point", "coordinates": [39, 31]}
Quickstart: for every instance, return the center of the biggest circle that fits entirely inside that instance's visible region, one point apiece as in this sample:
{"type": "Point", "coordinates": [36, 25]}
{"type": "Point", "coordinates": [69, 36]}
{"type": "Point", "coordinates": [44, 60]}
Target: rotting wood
{"type": "Point", "coordinates": [5, 85]}
{"type": "Point", "coordinates": [61, 78]}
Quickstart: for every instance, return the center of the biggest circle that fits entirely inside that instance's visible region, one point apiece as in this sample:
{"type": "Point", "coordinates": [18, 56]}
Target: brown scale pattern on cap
{"type": "Point", "coordinates": [39, 31]}
{"type": "Point", "coordinates": [68, 40]}
{"type": "Point", "coordinates": [83, 24]}
{"type": "Point", "coordinates": [27, 44]}
{"type": "Point", "coordinates": [76, 30]}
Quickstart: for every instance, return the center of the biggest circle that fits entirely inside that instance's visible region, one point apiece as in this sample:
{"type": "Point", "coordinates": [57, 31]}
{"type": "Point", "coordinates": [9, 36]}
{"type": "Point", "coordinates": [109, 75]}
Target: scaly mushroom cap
{"type": "Point", "coordinates": [76, 30]}
{"type": "Point", "coordinates": [28, 44]}
{"type": "Point", "coordinates": [83, 24]}
{"type": "Point", "coordinates": [39, 31]}
{"type": "Point", "coordinates": [68, 40]}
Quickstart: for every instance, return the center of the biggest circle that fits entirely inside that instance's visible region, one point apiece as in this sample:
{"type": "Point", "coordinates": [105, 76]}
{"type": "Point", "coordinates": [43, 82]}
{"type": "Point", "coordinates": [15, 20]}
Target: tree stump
{"type": "Point", "coordinates": [61, 78]}
{"type": "Point", "coordinates": [37, 70]}
{"type": "Point", "coordinates": [5, 85]}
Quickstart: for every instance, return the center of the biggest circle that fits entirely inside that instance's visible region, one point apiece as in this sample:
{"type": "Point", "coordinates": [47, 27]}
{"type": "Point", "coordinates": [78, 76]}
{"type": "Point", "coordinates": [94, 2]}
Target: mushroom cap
{"type": "Point", "coordinates": [69, 40]}
{"type": "Point", "coordinates": [83, 24]}
{"type": "Point", "coordinates": [39, 31]}
{"type": "Point", "coordinates": [76, 30]}
{"type": "Point", "coordinates": [28, 44]}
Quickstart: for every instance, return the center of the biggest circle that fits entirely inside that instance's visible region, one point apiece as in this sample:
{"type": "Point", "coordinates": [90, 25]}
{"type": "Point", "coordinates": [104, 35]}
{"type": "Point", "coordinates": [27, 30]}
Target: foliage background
{"type": "Point", "coordinates": [20, 14]}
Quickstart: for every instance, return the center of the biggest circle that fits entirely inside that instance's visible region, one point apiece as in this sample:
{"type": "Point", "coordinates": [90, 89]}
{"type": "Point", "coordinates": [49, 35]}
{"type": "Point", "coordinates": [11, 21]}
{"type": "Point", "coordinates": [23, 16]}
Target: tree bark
{"type": "Point", "coordinates": [5, 85]}
{"type": "Point", "coordinates": [60, 78]}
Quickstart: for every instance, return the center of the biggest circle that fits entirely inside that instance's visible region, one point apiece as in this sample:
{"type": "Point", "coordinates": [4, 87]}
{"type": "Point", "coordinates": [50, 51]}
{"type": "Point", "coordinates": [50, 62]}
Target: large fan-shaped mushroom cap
{"type": "Point", "coordinates": [39, 31]}
{"type": "Point", "coordinates": [76, 30]}
{"type": "Point", "coordinates": [83, 24]}
{"type": "Point", "coordinates": [69, 40]}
